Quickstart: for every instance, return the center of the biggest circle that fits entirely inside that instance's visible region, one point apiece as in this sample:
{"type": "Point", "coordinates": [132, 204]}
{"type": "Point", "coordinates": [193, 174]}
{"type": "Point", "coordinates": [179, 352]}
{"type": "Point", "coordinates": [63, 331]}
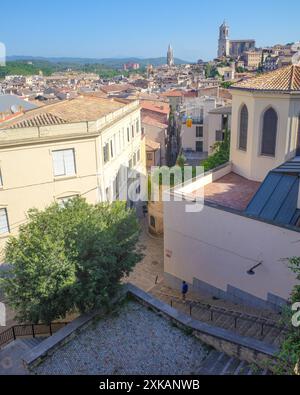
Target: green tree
{"type": "Point", "coordinates": [220, 155]}
{"type": "Point", "coordinates": [70, 258]}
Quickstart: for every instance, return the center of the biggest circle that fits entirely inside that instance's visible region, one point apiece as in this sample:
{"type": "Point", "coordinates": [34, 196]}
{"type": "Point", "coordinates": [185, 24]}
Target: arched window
{"type": "Point", "coordinates": [269, 133]}
{"type": "Point", "coordinates": [243, 135]}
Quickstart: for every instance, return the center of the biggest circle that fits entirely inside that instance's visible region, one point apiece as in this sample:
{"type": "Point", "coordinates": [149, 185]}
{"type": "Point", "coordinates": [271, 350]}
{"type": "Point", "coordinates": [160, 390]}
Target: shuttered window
{"type": "Point", "coordinates": [64, 163]}
{"type": "Point", "coordinates": [269, 133]}
{"type": "Point", "coordinates": [243, 135]}
{"type": "Point", "coordinates": [4, 227]}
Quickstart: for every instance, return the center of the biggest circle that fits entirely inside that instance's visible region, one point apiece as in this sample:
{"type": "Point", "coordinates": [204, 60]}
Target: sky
{"type": "Point", "coordinates": [141, 28]}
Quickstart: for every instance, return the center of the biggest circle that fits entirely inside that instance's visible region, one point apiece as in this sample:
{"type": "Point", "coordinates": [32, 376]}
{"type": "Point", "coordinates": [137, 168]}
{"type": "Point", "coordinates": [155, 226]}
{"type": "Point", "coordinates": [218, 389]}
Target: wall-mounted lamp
{"type": "Point", "coordinates": [251, 272]}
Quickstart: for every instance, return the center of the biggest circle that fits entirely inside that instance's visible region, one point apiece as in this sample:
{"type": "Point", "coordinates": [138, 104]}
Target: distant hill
{"type": "Point", "coordinates": [115, 63]}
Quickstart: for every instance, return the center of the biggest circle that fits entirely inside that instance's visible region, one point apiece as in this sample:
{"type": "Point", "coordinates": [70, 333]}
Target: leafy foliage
{"type": "Point", "coordinates": [27, 68]}
{"type": "Point", "coordinates": [220, 156]}
{"type": "Point", "coordinates": [70, 258]}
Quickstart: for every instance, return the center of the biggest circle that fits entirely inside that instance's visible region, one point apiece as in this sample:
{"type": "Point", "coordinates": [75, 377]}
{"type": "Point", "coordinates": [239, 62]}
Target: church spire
{"type": "Point", "coordinates": [170, 56]}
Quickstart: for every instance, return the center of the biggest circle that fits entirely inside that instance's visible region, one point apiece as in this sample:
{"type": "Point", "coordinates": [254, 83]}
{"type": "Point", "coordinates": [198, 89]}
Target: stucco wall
{"type": "Point", "coordinates": [27, 166]}
{"type": "Point", "coordinates": [252, 164]}
{"type": "Point", "coordinates": [218, 248]}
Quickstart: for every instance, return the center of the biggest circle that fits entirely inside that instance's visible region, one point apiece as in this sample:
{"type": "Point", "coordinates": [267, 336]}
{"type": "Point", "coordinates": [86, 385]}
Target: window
{"type": "Point", "coordinates": [128, 135]}
{"type": "Point", "coordinates": [134, 159]}
{"type": "Point", "coordinates": [243, 135]}
{"type": "Point", "coordinates": [1, 180]}
{"type": "Point", "coordinates": [106, 153]}
{"type": "Point", "coordinates": [130, 164]}
{"type": "Point", "coordinates": [149, 156]}
{"type": "Point", "coordinates": [132, 131]}
{"type": "Point", "coordinates": [111, 149]}
{"type": "Point", "coordinates": [269, 133]}
{"type": "Point", "coordinates": [219, 135]}
{"type": "Point", "coordinates": [64, 163]}
{"type": "Point", "coordinates": [138, 155]}
{"type": "Point", "coordinates": [152, 221]}
{"type": "Point", "coordinates": [199, 146]}
{"type": "Point", "coordinates": [4, 226]}
{"type": "Point", "coordinates": [199, 131]}
{"type": "Point", "coordinates": [137, 127]}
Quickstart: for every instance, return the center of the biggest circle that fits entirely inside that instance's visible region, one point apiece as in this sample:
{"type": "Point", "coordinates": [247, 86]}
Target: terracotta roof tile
{"type": "Point", "coordinates": [285, 79]}
{"type": "Point", "coordinates": [39, 120]}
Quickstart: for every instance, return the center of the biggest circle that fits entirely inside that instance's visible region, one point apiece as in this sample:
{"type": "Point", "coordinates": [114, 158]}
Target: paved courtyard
{"type": "Point", "coordinates": [151, 268]}
{"type": "Point", "coordinates": [133, 341]}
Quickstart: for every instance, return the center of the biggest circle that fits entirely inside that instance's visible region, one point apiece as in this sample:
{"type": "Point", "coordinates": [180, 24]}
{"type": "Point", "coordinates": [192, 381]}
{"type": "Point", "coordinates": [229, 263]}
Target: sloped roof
{"type": "Point", "coordinates": [277, 198]}
{"type": "Point", "coordinates": [39, 120]}
{"type": "Point", "coordinates": [81, 109]}
{"type": "Point", "coordinates": [285, 79]}
{"type": "Point", "coordinates": [160, 107]}
{"type": "Point", "coordinates": [152, 145]}
{"type": "Point", "coordinates": [7, 101]}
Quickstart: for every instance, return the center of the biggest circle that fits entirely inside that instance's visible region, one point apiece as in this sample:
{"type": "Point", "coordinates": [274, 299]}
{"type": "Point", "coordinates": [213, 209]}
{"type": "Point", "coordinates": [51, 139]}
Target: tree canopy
{"type": "Point", "coordinates": [70, 258]}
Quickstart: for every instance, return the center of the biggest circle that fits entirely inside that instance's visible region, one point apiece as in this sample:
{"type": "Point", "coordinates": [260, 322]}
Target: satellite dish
{"type": "Point", "coordinates": [14, 109]}
{"type": "Point", "coordinates": [296, 57]}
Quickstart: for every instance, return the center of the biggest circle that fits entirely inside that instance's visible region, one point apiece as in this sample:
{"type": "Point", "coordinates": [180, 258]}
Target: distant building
{"type": "Point", "coordinates": [253, 59]}
{"type": "Point", "coordinates": [131, 66]}
{"type": "Point", "coordinates": [232, 48]}
{"type": "Point", "coordinates": [170, 56]}
{"type": "Point", "coordinates": [224, 42]}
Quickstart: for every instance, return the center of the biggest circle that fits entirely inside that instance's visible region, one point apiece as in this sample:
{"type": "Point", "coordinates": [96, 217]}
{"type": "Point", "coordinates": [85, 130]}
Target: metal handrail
{"type": "Point", "coordinates": [233, 314]}
{"type": "Point", "coordinates": [29, 330]}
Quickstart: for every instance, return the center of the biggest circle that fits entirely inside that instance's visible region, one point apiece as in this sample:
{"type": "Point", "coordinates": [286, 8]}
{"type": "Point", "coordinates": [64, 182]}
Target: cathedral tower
{"type": "Point", "coordinates": [224, 42]}
{"type": "Point", "coordinates": [170, 57]}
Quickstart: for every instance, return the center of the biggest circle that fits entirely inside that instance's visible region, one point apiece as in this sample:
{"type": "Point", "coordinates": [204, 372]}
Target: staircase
{"type": "Point", "coordinates": [11, 355]}
{"type": "Point", "coordinates": [219, 364]}
{"type": "Point", "coordinates": [266, 329]}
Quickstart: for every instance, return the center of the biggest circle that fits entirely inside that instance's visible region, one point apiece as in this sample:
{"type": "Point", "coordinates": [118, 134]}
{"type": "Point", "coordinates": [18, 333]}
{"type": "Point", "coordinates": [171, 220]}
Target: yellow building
{"type": "Point", "coordinates": [71, 148]}
{"type": "Point", "coordinates": [252, 59]}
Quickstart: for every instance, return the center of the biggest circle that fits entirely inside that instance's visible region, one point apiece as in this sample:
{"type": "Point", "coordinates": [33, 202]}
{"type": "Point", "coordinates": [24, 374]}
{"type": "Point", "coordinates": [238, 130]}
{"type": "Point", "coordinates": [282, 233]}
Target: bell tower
{"type": "Point", "coordinates": [224, 42]}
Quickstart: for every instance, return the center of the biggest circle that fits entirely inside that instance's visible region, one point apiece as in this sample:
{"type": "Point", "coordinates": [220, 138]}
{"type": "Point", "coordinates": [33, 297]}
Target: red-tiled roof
{"type": "Point", "coordinates": [285, 79]}
{"type": "Point", "coordinates": [173, 93]}
{"type": "Point", "coordinates": [154, 106]}
{"type": "Point", "coordinates": [39, 120]}
{"type": "Point", "coordinates": [150, 120]}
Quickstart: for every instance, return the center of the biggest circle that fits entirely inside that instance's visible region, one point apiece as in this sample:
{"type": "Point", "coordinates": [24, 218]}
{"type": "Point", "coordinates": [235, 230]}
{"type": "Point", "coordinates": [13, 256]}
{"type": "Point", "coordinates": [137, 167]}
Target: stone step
{"type": "Point", "coordinates": [244, 326]}
{"type": "Point", "coordinates": [231, 368]}
{"type": "Point", "coordinates": [33, 342]}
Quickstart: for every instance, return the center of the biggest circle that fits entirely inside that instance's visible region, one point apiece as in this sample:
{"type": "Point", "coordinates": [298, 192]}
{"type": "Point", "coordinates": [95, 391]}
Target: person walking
{"type": "Point", "coordinates": [184, 290]}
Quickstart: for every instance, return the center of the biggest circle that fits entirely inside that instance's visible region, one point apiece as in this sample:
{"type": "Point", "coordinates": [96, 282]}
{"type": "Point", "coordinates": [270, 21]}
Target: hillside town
{"type": "Point", "coordinates": [226, 273]}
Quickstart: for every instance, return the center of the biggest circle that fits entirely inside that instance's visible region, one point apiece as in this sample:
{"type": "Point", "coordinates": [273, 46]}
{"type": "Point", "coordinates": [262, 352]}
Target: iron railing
{"type": "Point", "coordinates": [214, 314]}
{"type": "Point", "coordinates": [29, 330]}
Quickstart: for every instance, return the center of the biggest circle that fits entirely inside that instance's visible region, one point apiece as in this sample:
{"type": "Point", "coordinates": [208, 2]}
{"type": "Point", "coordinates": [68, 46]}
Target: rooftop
{"type": "Point", "coordinates": [285, 79]}
{"type": "Point", "coordinates": [13, 103]}
{"type": "Point", "coordinates": [153, 121]}
{"type": "Point", "coordinates": [173, 93]}
{"type": "Point", "coordinates": [134, 341]}
{"type": "Point", "coordinates": [232, 191]}
{"type": "Point", "coordinates": [227, 110]}
{"type": "Point", "coordinates": [277, 198]}
{"type": "Point", "coordinates": [81, 109]}
{"type": "Point", "coordinates": [152, 145]}
{"type": "Point", "coordinates": [160, 107]}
